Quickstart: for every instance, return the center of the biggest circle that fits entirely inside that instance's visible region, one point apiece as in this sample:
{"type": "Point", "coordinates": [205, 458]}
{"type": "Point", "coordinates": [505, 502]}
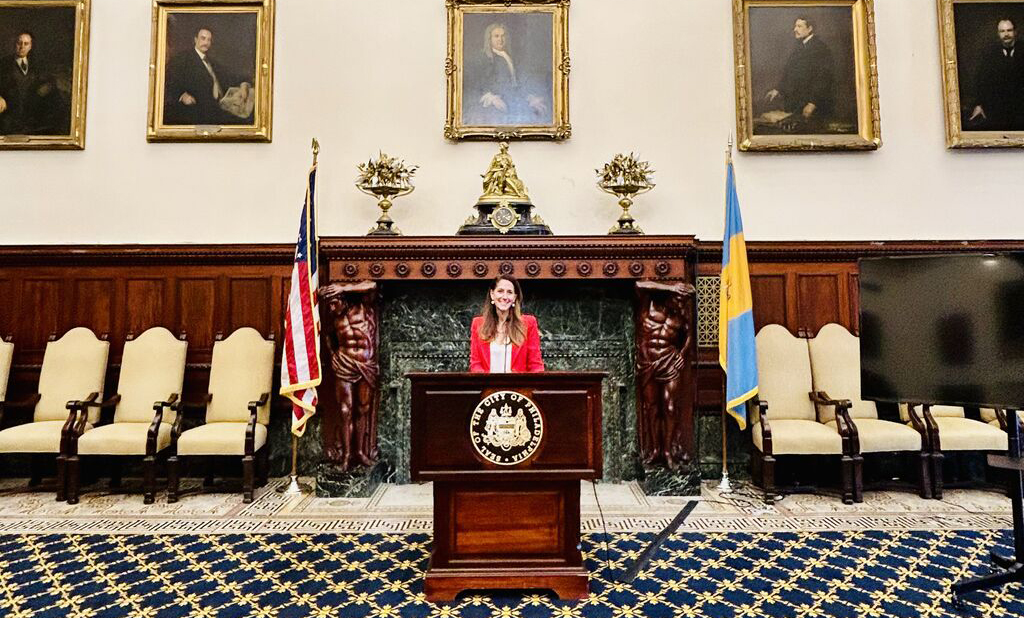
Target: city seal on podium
{"type": "Point", "coordinates": [506, 428]}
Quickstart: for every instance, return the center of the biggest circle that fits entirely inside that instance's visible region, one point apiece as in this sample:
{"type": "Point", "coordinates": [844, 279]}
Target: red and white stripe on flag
{"type": "Point", "coordinates": [300, 362]}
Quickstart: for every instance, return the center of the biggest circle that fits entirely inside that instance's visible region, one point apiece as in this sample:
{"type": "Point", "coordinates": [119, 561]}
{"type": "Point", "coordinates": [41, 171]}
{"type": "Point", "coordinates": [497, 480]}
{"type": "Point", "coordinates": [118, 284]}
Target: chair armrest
{"type": "Point", "coordinates": [173, 402]}
{"type": "Point", "coordinates": [822, 398]}
{"type": "Point", "coordinates": [925, 425]}
{"type": "Point", "coordinates": [933, 428]}
{"type": "Point", "coordinates": [259, 403]}
{"type": "Point", "coordinates": [91, 402]}
{"type": "Point", "coordinates": [77, 416]}
{"type": "Point", "coordinates": [757, 412]}
{"type": "Point", "coordinates": [250, 428]}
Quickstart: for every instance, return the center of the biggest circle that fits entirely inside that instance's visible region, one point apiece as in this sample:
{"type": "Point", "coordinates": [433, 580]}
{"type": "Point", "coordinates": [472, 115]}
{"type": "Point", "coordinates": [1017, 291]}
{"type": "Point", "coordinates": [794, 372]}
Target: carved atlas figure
{"type": "Point", "coordinates": [664, 340]}
{"type": "Point", "coordinates": [352, 340]}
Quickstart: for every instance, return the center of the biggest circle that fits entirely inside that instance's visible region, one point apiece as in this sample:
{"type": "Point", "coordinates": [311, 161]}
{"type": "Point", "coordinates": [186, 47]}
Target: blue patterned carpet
{"type": "Point", "coordinates": [695, 574]}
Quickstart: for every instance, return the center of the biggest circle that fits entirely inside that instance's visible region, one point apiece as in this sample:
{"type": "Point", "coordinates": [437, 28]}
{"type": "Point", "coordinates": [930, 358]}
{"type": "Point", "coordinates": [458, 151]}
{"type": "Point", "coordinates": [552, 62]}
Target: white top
{"type": "Point", "coordinates": [501, 357]}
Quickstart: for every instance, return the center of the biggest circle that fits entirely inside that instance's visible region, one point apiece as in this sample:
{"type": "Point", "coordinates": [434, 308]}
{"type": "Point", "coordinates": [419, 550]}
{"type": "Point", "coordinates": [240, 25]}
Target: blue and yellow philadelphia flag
{"type": "Point", "coordinates": [736, 351]}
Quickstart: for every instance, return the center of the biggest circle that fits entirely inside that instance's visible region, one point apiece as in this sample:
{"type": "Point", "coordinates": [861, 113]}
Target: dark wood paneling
{"type": "Point", "coordinates": [93, 304]}
{"type": "Point", "coordinates": [41, 310]}
{"type": "Point", "coordinates": [147, 302]}
{"type": "Point", "coordinates": [7, 298]}
{"type": "Point", "coordinates": [197, 301]}
{"type": "Point", "coordinates": [819, 302]}
{"type": "Point", "coordinates": [201, 289]}
{"type": "Point", "coordinates": [769, 292]}
{"type": "Point", "coordinates": [250, 301]}
{"type": "Point", "coordinates": [853, 283]}
{"type": "Point", "coordinates": [805, 285]}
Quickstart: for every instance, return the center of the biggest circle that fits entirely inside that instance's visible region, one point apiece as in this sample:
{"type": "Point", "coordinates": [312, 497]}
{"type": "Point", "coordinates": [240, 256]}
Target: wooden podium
{"type": "Point", "coordinates": [506, 453]}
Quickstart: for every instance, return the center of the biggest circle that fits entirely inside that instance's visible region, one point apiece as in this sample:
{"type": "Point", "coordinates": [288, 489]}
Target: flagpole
{"type": "Point", "coordinates": [725, 486]}
{"type": "Point", "coordinates": [293, 487]}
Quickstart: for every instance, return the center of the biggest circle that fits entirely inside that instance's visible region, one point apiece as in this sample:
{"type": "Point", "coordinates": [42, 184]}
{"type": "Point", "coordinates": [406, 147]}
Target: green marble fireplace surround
{"type": "Point", "coordinates": [584, 326]}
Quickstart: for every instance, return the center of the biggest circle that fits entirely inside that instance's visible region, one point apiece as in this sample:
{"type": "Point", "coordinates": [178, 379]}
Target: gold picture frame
{"type": "Point", "coordinates": [44, 68]}
{"type": "Point", "coordinates": [517, 90]}
{"type": "Point", "coordinates": [978, 113]}
{"type": "Point", "coordinates": [806, 75]}
{"type": "Point", "coordinates": [196, 45]}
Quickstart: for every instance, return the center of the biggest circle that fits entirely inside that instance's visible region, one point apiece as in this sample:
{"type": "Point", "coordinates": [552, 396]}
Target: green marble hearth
{"type": "Point", "coordinates": [584, 327]}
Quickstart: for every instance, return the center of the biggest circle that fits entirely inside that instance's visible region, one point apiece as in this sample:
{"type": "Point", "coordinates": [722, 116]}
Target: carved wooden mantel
{"type": "Point", "coordinates": [662, 258]}
{"type": "Point", "coordinates": [671, 261]}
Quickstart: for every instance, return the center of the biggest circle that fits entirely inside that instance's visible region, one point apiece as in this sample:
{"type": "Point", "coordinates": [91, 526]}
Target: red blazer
{"type": "Point", "coordinates": [525, 358]}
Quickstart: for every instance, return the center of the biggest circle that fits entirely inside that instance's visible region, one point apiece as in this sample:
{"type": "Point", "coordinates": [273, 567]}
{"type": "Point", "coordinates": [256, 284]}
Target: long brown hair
{"type": "Point", "coordinates": [515, 328]}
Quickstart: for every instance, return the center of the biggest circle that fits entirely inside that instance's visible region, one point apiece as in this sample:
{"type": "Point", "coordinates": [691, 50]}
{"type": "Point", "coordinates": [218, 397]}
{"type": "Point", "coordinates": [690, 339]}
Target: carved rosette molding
{"type": "Point", "coordinates": [570, 257]}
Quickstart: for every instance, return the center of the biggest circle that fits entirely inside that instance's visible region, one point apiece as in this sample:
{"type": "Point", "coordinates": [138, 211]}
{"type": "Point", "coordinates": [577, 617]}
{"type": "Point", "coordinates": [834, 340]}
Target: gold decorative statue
{"type": "Point", "coordinates": [625, 177]}
{"type": "Point", "coordinates": [504, 207]}
{"type": "Point", "coordinates": [501, 180]}
{"type": "Point", "coordinates": [384, 179]}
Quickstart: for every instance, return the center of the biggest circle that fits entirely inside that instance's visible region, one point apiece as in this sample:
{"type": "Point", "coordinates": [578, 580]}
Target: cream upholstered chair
{"type": "Point", "coordinates": [148, 395]}
{"type": "Point", "coordinates": [950, 430]}
{"type": "Point", "coordinates": [71, 376]}
{"type": "Point", "coordinates": [237, 410]}
{"type": "Point", "coordinates": [835, 372]}
{"type": "Point", "coordinates": [784, 420]}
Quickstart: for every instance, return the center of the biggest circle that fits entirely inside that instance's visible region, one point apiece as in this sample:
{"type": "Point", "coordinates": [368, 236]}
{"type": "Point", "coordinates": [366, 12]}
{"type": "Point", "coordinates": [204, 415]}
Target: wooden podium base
{"type": "Point", "coordinates": [506, 535]}
{"type": "Point", "coordinates": [443, 585]}
{"type": "Point", "coordinates": [506, 519]}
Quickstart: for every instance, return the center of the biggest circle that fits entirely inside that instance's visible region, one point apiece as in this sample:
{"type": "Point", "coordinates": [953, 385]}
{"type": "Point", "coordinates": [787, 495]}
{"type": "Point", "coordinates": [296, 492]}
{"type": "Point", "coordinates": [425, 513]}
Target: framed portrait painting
{"type": "Point", "coordinates": [806, 76]}
{"type": "Point", "coordinates": [44, 62]}
{"type": "Point", "coordinates": [211, 73]}
{"type": "Point", "coordinates": [508, 70]}
{"type": "Point", "coordinates": [983, 72]}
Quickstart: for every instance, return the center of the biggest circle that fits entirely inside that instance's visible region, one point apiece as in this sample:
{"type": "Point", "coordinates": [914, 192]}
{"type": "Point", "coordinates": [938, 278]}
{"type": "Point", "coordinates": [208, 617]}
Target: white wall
{"type": "Point", "coordinates": [362, 75]}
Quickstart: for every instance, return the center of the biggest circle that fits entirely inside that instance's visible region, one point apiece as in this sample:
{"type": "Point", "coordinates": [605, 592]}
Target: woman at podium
{"type": "Point", "coordinates": [503, 339]}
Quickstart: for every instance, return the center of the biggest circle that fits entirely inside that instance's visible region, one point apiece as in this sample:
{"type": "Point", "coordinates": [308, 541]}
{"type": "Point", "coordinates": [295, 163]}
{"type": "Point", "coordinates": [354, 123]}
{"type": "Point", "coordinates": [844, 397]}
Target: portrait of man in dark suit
{"type": "Point", "coordinates": [991, 66]}
{"type": "Point", "coordinates": [35, 88]}
{"type": "Point", "coordinates": [508, 72]}
{"type": "Point", "coordinates": [213, 71]}
{"type": "Point", "coordinates": [201, 90]}
{"type": "Point", "coordinates": [803, 70]}
{"type": "Point", "coordinates": [808, 84]}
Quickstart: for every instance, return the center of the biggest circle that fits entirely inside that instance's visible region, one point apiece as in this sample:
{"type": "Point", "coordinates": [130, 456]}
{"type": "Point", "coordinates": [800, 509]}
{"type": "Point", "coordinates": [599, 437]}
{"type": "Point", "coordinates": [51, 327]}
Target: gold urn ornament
{"type": "Point", "coordinates": [385, 178]}
{"type": "Point", "coordinates": [625, 177]}
{"type": "Point", "coordinates": [504, 207]}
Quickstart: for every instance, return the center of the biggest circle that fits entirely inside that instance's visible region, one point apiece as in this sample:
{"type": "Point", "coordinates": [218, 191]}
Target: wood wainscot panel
{"type": "Point", "coordinates": [147, 299]}
{"type": "Point", "coordinates": [40, 313]}
{"type": "Point", "coordinates": [93, 303]}
{"type": "Point", "coordinates": [806, 285]}
{"type": "Point", "coordinates": [821, 299]}
{"type": "Point", "coordinates": [197, 302]}
{"type": "Point", "coordinates": [250, 301]}
{"type": "Point", "coordinates": [6, 306]}
{"type": "Point", "coordinates": [769, 292]}
{"type": "Point", "coordinates": [118, 289]}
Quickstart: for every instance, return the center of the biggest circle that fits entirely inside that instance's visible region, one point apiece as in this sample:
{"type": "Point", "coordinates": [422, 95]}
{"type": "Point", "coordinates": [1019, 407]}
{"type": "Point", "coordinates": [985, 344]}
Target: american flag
{"type": "Point", "coordinates": [300, 361]}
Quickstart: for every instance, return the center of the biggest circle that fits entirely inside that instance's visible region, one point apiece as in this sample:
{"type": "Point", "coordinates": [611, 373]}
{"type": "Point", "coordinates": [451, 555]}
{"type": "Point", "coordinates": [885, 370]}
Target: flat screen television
{"type": "Point", "coordinates": [943, 329]}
